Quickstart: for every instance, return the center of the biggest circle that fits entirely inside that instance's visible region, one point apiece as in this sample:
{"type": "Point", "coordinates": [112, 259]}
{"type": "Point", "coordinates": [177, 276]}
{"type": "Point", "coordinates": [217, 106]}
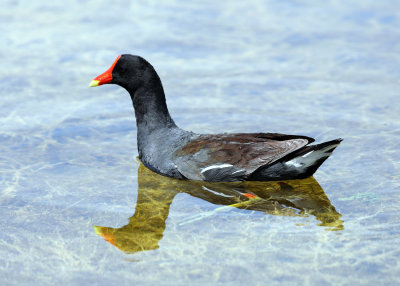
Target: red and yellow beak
{"type": "Point", "coordinates": [105, 77]}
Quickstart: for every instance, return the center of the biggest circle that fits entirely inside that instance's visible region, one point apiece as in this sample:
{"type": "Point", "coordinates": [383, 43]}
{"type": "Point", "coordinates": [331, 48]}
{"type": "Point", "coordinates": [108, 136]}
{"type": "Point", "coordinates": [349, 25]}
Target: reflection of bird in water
{"type": "Point", "coordinates": [156, 193]}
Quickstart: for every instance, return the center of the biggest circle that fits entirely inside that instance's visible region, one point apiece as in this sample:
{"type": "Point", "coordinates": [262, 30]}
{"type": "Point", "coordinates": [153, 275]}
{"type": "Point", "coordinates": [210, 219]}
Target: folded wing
{"type": "Point", "coordinates": [233, 157]}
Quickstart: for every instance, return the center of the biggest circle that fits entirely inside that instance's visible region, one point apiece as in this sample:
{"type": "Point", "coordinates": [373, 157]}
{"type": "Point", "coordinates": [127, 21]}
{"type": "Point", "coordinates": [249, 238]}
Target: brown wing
{"type": "Point", "coordinates": [232, 157]}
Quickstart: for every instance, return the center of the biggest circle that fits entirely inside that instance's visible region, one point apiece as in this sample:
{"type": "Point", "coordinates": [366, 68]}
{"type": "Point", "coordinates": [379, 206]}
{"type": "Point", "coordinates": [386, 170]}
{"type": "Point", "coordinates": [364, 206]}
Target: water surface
{"type": "Point", "coordinates": [76, 207]}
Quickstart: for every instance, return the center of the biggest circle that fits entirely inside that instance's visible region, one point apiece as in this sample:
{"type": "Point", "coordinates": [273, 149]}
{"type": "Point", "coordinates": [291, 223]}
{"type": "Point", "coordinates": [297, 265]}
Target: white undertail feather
{"type": "Point", "coordinates": [311, 157]}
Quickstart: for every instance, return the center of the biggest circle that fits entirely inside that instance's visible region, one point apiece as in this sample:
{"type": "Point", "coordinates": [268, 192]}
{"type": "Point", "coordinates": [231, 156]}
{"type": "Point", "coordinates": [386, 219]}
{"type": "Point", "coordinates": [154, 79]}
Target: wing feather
{"type": "Point", "coordinates": [238, 154]}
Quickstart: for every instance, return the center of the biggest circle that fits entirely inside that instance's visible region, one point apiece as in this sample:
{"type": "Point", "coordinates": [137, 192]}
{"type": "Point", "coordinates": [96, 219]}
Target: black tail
{"type": "Point", "coordinates": [298, 165]}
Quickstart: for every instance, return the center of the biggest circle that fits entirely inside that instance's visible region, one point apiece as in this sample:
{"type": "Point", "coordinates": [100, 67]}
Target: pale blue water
{"type": "Point", "coordinates": [67, 158]}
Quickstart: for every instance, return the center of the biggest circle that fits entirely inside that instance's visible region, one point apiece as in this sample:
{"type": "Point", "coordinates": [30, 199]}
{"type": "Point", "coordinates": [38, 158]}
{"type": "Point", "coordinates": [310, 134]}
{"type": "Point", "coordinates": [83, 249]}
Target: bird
{"type": "Point", "coordinates": [168, 150]}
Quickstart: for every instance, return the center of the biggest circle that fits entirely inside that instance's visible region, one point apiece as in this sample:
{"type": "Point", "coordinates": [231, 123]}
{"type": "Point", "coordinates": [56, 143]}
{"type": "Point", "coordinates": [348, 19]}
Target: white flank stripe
{"type": "Point", "coordinates": [215, 167]}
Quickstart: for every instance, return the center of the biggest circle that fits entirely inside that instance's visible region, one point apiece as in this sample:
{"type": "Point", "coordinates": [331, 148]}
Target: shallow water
{"type": "Point", "coordinates": [76, 207]}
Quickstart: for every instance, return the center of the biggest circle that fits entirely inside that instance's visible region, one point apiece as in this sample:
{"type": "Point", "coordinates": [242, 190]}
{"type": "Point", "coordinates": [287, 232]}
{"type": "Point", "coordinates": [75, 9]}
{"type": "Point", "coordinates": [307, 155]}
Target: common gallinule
{"type": "Point", "coordinates": [168, 150]}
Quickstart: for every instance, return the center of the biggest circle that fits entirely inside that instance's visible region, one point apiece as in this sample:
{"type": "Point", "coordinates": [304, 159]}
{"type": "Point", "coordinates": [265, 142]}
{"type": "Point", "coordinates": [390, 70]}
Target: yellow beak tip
{"type": "Point", "coordinates": [94, 83]}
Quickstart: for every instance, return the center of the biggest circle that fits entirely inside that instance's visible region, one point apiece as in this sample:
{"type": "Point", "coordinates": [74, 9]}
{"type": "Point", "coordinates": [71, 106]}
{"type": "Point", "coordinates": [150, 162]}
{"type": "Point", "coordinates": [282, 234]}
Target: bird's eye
{"type": "Point", "coordinates": [123, 70]}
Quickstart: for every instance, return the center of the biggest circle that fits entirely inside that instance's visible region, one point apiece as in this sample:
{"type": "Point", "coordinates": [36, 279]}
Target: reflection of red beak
{"type": "Point", "coordinates": [102, 231]}
{"type": "Point", "coordinates": [105, 77]}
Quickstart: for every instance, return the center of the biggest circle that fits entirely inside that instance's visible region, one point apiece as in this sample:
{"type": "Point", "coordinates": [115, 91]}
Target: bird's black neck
{"type": "Point", "coordinates": [151, 109]}
{"type": "Point", "coordinates": [152, 116]}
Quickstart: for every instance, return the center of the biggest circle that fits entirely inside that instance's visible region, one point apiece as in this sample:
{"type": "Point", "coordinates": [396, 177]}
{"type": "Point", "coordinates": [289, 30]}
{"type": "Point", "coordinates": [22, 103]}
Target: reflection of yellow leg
{"type": "Point", "coordinates": [305, 195]}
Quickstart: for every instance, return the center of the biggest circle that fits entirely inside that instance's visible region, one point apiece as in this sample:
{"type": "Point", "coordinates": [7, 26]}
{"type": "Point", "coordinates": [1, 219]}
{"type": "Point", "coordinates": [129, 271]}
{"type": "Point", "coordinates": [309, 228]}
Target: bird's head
{"type": "Point", "coordinates": [128, 71]}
